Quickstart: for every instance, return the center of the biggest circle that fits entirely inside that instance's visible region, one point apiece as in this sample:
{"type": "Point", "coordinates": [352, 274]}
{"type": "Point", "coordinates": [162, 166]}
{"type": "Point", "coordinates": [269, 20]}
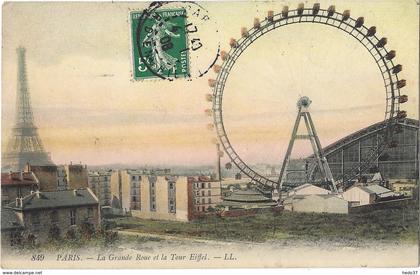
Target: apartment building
{"type": "Point", "coordinates": [100, 184]}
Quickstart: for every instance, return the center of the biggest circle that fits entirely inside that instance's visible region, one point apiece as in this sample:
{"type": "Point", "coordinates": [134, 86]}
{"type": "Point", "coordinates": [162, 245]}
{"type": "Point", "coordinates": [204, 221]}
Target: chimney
{"type": "Point", "coordinates": [18, 202]}
{"type": "Point", "coordinates": [75, 192]}
{"type": "Point", "coordinates": [21, 175]}
{"type": "Point", "coordinates": [38, 194]}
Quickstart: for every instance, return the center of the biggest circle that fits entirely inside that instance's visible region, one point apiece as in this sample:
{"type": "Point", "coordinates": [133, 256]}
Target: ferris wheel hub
{"type": "Point", "coordinates": [304, 102]}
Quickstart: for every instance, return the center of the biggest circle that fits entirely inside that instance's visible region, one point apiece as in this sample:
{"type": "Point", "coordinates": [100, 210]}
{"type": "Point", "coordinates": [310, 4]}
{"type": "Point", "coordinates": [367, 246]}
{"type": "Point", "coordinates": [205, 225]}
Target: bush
{"type": "Point", "coordinates": [28, 241]}
{"type": "Point", "coordinates": [54, 233]}
{"type": "Point", "coordinates": [108, 224]}
{"type": "Point", "coordinates": [71, 234]}
{"type": "Point", "coordinates": [110, 237]}
{"type": "Point", "coordinates": [87, 229]}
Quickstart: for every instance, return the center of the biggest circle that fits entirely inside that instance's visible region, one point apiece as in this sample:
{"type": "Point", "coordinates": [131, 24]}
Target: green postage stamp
{"type": "Point", "coordinates": [159, 44]}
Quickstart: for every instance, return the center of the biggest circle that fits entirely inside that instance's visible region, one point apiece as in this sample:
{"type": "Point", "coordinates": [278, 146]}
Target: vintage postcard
{"type": "Point", "coordinates": [227, 134]}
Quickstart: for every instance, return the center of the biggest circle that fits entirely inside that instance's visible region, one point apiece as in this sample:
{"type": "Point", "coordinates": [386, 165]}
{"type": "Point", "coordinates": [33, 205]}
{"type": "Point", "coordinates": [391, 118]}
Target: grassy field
{"type": "Point", "coordinates": [396, 225]}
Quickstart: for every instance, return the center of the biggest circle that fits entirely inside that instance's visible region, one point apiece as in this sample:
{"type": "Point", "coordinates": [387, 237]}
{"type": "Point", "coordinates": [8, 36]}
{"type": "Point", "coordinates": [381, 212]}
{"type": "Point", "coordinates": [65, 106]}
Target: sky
{"type": "Point", "coordinates": [88, 109]}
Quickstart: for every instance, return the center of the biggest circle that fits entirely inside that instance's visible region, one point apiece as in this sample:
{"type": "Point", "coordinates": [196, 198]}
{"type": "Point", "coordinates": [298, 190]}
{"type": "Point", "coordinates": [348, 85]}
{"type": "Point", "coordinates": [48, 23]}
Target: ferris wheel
{"type": "Point", "coordinates": [367, 37]}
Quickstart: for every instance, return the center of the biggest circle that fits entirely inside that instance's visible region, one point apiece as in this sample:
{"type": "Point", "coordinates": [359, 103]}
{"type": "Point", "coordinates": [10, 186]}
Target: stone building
{"type": "Point", "coordinates": [47, 176]}
{"type": "Point", "coordinates": [63, 177]}
{"type": "Point", "coordinates": [77, 176]}
{"type": "Point", "coordinates": [125, 189]}
{"type": "Point", "coordinates": [42, 213]}
{"type": "Point", "coordinates": [16, 185]}
{"type": "Point", "coordinates": [146, 195]}
{"type": "Point", "coordinates": [207, 193]}
{"type": "Point", "coordinates": [100, 184]}
{"type": "Point", "coordinates": [165, 198]}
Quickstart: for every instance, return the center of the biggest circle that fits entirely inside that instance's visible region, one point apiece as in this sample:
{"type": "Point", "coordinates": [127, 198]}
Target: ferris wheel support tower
{"type": "Point", "coordinates": [303, 111]}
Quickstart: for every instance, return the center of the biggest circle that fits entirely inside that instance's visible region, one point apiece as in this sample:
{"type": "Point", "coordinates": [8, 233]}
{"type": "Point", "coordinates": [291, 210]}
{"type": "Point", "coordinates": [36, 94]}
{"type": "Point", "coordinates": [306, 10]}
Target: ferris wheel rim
{"type": "Point", "coordinates": [337, 20]}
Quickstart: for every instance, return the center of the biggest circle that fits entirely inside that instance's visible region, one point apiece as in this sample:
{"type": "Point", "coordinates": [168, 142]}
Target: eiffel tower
{"type": "Point", "coordinates": [24, 145]}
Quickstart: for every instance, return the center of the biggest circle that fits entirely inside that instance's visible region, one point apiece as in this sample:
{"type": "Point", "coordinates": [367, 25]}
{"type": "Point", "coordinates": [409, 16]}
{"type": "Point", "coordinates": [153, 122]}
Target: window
{"type": "Point", "coordinates": [133, 199]}
{"type": "Point", "coordinates": [209, 200]}
{"type": "Point", "coordinates": [203, 193]}
{"type": "Point", "coordinates": [203, 201]}
{"type": "Point", "coordinates": [54, 216]}
{"type": "Point", "coordinates": [203, 185]}
{"type": "Point", "coordinates": [35, 218]}
{"type": "Point", "coordinates": [171, 197]}
{"type": "Point", "coordinates": [133, 177]}
{"type": "Point", "coordinates": [209, 193]}
{"type": "Point", "coordinates": [204, 208]}
{"type": "Point", "coordinates": [209, 184]}
{"type": "Point", "coordinates": [72, 217]}
{"type": "Point", "coordinates": [90, 213]}
{"type": "Point", "coordinates": [172, 206]}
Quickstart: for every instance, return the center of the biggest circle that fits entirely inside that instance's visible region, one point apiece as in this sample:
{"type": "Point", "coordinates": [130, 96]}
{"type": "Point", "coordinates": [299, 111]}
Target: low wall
{"type": "Point", "coordinates": [401, 203]}
{"type": "Point", "coordinates": [159, 216]}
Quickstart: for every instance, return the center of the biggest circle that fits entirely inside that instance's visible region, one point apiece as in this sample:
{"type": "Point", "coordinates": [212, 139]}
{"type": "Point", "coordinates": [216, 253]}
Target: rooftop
{"type": "Point", "coordinates": [55, 199]}
{"type": "Point", "coordinates": [378, 190]}
{"type": "Point", "coordinates": [247, 196]}
{"type": "Point", "coordinates": [303, 186]}
{"type": "Point", "coordinates": [407, 122]}
{"type": "Point", "coordinates": [323, 196]}
{"type": "Point", "coordinates": [202, 179]}
{"type": "Point", "coordinates": [18, 178]}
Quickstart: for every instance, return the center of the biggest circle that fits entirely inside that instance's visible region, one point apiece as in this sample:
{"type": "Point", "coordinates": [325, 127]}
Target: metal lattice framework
{"type": "Point", "coordinates": [25, 144]}
{"type": "Point", "coordinates": [342, 21]}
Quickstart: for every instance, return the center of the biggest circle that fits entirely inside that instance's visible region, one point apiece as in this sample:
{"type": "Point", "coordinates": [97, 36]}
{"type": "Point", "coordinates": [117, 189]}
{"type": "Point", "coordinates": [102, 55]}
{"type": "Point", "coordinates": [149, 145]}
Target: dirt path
{"type": "Point", "coordinates": [179, 238]}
